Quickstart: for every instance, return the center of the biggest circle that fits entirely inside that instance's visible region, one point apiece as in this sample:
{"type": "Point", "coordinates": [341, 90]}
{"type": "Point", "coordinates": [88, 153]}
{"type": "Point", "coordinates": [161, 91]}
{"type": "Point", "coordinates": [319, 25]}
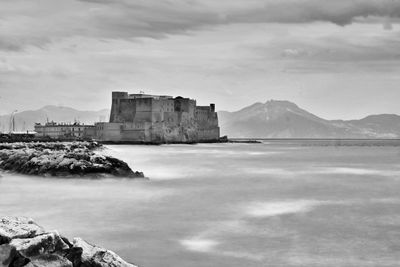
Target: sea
{"type": "Point", "coordinates": [274, 203]}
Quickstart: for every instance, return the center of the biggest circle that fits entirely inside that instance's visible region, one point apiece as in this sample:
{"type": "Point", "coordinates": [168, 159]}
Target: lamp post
{"type": "Point", "coordinates": [12, 121]}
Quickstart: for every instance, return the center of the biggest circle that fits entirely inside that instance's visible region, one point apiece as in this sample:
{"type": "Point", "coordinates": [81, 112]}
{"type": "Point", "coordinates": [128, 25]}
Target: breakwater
{"type": "Point", "coordinates": [73, 159]}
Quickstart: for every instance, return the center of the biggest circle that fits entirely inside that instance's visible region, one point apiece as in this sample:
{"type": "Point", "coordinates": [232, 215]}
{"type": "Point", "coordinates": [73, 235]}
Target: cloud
{"type": "Point", "coordinates": [294, 52]}
{"type": "Point", "coordinates": [9, 46]}
{"type": "Point", "coordinates": [185, 15]}
{"type": "Point", "coordinates": [37, 23]}
{"type": "Point", "coordinates": [340, 12]}
{"type": "Point", "coordinates": [387, 24]}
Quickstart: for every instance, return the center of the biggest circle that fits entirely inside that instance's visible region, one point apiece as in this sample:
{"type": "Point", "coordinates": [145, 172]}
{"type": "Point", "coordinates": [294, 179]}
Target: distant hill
{"type": "Point", "coordinates": [283, 119]}
{"type": "Point", "coordinates": [26, 120]}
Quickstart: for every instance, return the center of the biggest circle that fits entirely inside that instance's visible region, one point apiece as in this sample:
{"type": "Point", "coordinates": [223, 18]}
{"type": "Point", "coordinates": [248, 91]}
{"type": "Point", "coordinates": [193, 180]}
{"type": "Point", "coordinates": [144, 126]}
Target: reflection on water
{"type": "Point", "coordinates": [229, 205]}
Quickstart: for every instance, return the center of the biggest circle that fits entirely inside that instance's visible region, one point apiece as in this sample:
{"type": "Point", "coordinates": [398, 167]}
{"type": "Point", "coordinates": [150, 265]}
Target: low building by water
{"type": "Point", "coordinates": [64, 130]}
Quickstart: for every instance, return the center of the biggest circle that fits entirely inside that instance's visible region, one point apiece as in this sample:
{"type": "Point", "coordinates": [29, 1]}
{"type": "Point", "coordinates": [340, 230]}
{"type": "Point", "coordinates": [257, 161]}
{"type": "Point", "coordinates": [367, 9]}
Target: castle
{"type": "Point", "coordinates": [144, 118]}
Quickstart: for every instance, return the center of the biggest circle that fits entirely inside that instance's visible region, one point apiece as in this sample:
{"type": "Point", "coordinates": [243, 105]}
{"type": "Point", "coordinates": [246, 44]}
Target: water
{"type": "Point", "coordinates": [271, 204]}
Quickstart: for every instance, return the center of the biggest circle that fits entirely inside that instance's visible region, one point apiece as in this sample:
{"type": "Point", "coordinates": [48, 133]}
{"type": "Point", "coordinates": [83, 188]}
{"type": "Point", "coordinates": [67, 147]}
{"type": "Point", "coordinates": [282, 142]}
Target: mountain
{"type": "Point", "coordinates": [283, 119]}
{"type": "Point", "coordinates": [26, 120]}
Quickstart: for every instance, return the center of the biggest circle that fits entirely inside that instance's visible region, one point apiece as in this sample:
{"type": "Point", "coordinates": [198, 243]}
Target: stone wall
{"type": "Point", "coordinates": [207, 123]}
{"type": "Point", "coordinates": [108, 131]}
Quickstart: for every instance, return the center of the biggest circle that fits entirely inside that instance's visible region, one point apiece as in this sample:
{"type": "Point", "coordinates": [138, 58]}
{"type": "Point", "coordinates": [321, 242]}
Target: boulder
{"type": "Point", "coordinates": [7, 254]}
{"type": "Point", "coordinates": [99, 257]}
{"type": "Point", "coordinates": [43, 244]}
{"type": "Point", "coordinates": [18, 227]}
{"type": "Point", "coordinates": [49, 260]}
{"type": "Point", "coordinates": [26, 244]}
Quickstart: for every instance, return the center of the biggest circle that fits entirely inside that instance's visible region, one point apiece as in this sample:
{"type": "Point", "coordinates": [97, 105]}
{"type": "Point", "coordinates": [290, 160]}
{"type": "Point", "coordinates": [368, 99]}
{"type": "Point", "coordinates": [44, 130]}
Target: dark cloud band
{"type": "Point", "coordinates": [126, 19]}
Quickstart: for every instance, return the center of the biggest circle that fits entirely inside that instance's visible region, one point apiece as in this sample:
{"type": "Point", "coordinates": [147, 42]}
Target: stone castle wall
{"type": "Point", "coordinates": [161, 119]}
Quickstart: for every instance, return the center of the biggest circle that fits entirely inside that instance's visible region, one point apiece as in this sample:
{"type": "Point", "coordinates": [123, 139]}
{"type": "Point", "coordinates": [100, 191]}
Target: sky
{"type": "Point", "coordinates": [337, 59]}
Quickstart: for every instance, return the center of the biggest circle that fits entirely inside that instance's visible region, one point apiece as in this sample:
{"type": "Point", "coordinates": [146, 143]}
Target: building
{"type": "Point", "coordinates": [65, 130]}
{"type": "Point", "coordinates": [158, 119]}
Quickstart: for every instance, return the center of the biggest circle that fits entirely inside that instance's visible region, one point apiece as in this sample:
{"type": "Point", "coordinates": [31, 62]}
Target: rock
{"type": "Point", "coordinates": [49, 260]}
{"type": "Point", "coordinates": [26, 244]}
{"type": "Point", "coordinates": [7, 254]}
{"type": "Point", "coordinates": [99, 257]}
{"type": "Point", "coordinates": [62, 159]}
{"type": "Point", "coordinates": [43, 244]}
{"type": "Point", "coordinates": [17, 260]}
{"type": "Point", "coordinates": [18, 227]}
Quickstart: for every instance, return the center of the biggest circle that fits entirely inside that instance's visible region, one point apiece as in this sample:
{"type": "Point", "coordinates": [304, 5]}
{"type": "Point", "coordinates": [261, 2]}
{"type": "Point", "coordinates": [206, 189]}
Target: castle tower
{"type": "Point", "coordinates": [116, 105]}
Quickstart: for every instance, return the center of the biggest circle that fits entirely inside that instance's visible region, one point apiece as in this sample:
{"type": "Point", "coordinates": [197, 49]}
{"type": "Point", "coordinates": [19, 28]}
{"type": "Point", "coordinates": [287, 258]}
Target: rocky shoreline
{"type": "Point", "coordinates": [24, 243]}
{"type": "Point", "coordinates": [73, 159]}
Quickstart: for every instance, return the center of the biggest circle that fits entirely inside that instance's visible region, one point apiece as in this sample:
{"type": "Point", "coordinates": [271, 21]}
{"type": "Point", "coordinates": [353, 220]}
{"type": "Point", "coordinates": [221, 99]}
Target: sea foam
{"type": "Point", "coordinates": [199, 244]}
{"type": "Point", "coordinates": [268, 209]}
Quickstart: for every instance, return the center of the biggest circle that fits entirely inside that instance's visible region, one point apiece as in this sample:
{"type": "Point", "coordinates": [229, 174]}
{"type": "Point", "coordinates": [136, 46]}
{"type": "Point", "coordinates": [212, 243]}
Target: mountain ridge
{"type": "Point", "coordinates": [284, 119]}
